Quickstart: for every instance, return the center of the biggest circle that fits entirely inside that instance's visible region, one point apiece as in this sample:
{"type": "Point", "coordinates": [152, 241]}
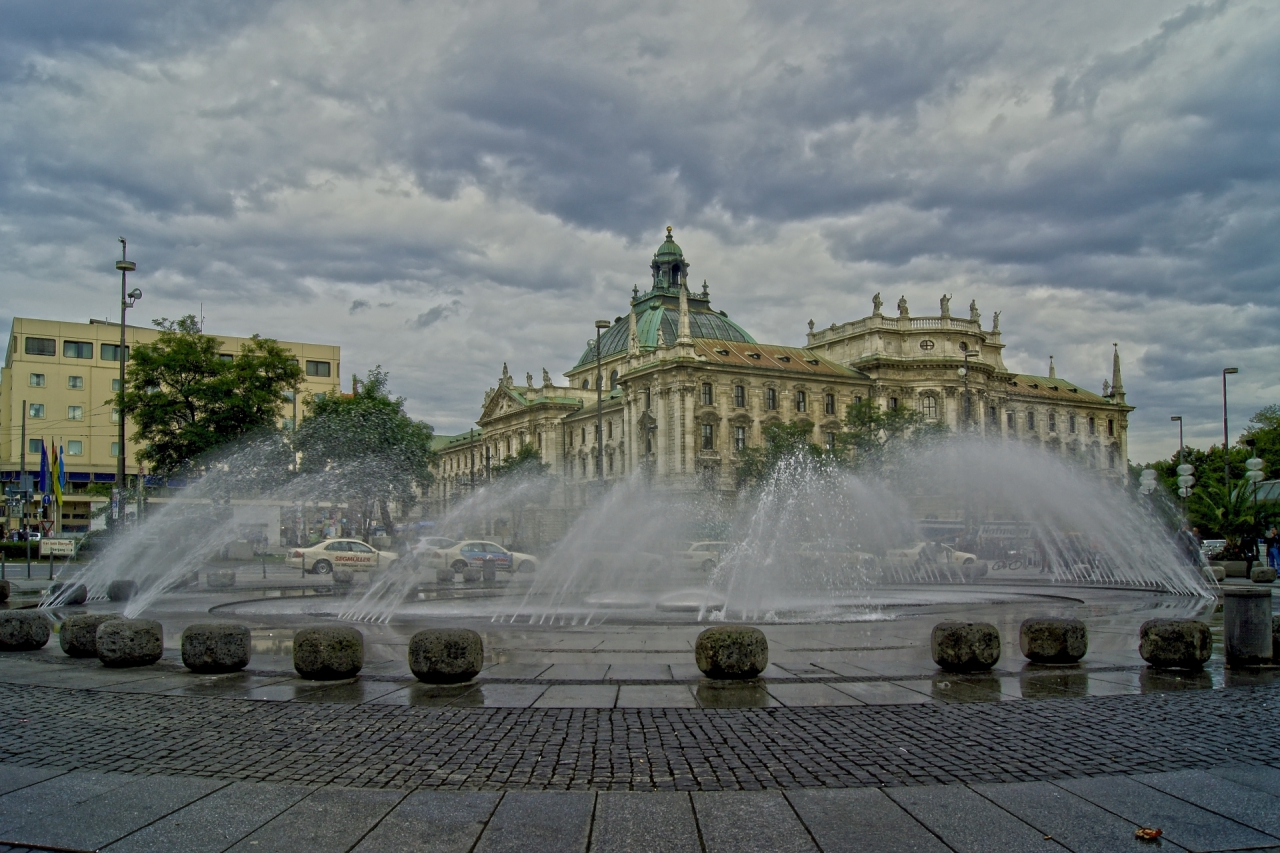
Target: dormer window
{"type": "Point", "coordinates": [754, 355]}
{"type": "Point", "coordinates": [785, 358]}
{"type": "Point", "coordinates": [813, 361]}
{"type": "Point", "coordinates": [722, 352]}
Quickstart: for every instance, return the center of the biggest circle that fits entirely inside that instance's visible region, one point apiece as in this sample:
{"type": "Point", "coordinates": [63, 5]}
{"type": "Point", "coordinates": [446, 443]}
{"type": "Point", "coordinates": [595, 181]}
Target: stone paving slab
{"type": "Point", "coordinates": [213, 823]}
{"type": "Point", "coordinates": [968, 823]}
{"type": "Point", "coordinates": [527, 821]}
{"type": "Point", "coordinates": [13, 778]}
{"type": "Point", "coordinates": [57, 793]}
{"type": "Point", "coordinates": [1184, 824]}
{"type": "Point", "coordinates": [439, 821]}
{"type": "Point", "coordinates": [98, 821]}
{"type": "Point", "coordinates": [855, 820]}
{"type": "Point", "coordinates": [744, 822]}
{"type": "Point", "coordinates": [1240, 803]}
{"type": "Point", "coordinates": [657, 822]}
{"type": "Point", "coordinates": [330, 820]}
{"type": "Point", "coordinates": [1258, 777]}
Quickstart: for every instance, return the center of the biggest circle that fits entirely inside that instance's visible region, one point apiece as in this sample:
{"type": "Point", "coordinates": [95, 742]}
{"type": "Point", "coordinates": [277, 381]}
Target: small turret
{"type": "Point", "coordinates": [1117, 386]}
{"type": "Point", "coordinates": [1053, 373]}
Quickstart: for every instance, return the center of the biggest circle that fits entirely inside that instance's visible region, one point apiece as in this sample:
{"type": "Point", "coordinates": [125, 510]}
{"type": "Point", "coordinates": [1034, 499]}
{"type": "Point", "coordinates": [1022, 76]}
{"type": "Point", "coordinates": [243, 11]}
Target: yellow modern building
{"type": "Point", "coordinates": [64, 374]}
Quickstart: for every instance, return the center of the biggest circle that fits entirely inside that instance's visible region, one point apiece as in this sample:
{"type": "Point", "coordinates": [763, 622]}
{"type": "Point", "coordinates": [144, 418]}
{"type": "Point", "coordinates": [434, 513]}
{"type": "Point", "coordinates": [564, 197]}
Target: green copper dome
{"type": "Point", "coordinates": [669, 247]}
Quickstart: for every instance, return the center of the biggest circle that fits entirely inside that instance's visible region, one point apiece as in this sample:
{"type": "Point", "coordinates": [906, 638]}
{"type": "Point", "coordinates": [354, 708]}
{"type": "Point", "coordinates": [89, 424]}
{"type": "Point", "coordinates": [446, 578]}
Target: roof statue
{"type": "Point", "coordinates": [811, 324]}
{"type": "Point", "coordinates": [1053, 373]}
{"type": "Point", "coordinates": [973, 311]}
{"type": "Point", "coordinates": [902, 306]}
{"type": "Point", "coordinates": [995, 321]}
{"type": "Point", "coordinates": [528, 379]}
{"type": "Point", "coordinates": [876, 304]}
{"type": "Point", "coordinates": [706, 291]}
{"type": "Point", "coordinates": [1106, 388]}
{"type": "Point", "coordinates": [662, 340]}
{"type": "Point", "coordinates": [546, 379]}
{"type": "Point", "coordinates": [945, 302]}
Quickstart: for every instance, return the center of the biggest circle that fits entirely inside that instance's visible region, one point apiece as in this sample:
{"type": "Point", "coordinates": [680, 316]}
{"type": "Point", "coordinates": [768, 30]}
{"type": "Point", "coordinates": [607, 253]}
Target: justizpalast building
{"type": "Point", "coordinates": [685, 389]}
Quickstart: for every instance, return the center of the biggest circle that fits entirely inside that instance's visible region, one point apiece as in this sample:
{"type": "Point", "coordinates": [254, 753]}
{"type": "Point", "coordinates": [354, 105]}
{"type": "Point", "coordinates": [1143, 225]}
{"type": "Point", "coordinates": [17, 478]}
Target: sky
{"type": "Point", "coordinates": [442, 188]}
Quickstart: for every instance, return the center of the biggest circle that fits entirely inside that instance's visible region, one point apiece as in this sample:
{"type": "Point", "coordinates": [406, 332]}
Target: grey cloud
{"type": "Point", "coordinates": [358, 305]}
{"type": "Point", "coordinates": [435, 314]}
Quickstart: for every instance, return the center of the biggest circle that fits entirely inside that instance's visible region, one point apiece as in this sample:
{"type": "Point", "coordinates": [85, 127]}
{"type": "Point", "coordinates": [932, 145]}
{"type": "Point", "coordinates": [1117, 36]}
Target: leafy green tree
{"type": "Point", "coordinates": [781, 440]}
{"type": "Point", "coordinates": [874, 436]}
{"type": "Point", "coordinates": [186, 400]}
{"type": "Point", "coordinates": [376, 453]}
{"type": "Point", "coordinates": [523, 464]}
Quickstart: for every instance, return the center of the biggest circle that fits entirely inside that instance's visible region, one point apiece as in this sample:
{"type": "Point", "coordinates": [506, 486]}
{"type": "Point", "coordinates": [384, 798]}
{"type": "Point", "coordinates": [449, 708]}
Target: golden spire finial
{"type": "Point", "coordinates": [668, 230]}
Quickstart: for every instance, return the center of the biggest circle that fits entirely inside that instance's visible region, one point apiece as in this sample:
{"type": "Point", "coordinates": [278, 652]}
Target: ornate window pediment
{"type": "Point", "coordinates": [707, 416]}
{"type": "Point", "coordinates": [741, 419]}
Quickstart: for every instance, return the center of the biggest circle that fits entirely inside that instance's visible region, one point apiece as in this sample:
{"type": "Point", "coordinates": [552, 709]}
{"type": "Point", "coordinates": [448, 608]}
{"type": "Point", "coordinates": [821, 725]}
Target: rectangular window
{"type": "Point", "coordinates": [706, 394]}
{"type": "Point", "coordinates": [584, 435]}
{"type": "Point", "coordinates": [1031, 420]}
{"type": "Point", "coordinates": [857, 400]}
{"type": "Point", "coordinates": [770, 398]}
{"type": "Point", "coordinates": [35, 410]}
{"type": "Point", "coordinates": [1111, 429]}
{"type": "Point", "coordinates": [608, 430]}
{"type": "Point", "coordinates": [33, 446]}
{"type": "Point", "coordinates": [1071, 424]}
{"type": "Point", "coordinates": [111, 352]}
{"type": "Point", "coordinates": [929, 407]}
{"type": "Point", "coordinates": [230, 356]}
{"type": "Point", "coordinates": [739, 437]}
{"type": "Point", "coordinates": [288, 394]}
{"type": "Point", "coordinates": [1111, 457]}
{"type": "Point", "coordinates": [831, 441]}
{"type": "Point", "coordinates": [75, 413]}
{"type": "Point", "coordinates": [1053, 422]}
{"type": "Point", "coordinates": [115, 449]}
{"type": "Point", "coordinates": [115, 415]}
{"type": "Point", "coordinates": [648, 442]}
{"type": "Point", "coordinates": [893, 402]}
{"type": "Point", "coordinates": [1093, 427]}
{"type": "Point", "coordinates": [739, 397]}
{"type": "Point", "coordinates": [992, 416]}
{"type": "Point", "coordinates": [802, 402]}
{"type": "Point", "coordinates": [75, 383]}
{"type": "Point", "coordinates": [115, 386]}
{"type": "Point", "coordinates": [708, 437]}
{"type": "Point", "coordinates": [829, 404]}
{"type": "Point", "coordinates": [648, 399]}
{"type": "Point", "coordinates": [286, 424]}
{"type": "Point", "coordinates": [1009, 420]}
{"type": "Point", "coordinates": [317, 368]}
{"type": "Point", "coordinates": [75, 448]}
{"type": "Point", "coordinates": [77, 349]}
{"type": "Point", "coordinates": [36, 380]}
{"type": "Point", "coordinates": [42, 346]}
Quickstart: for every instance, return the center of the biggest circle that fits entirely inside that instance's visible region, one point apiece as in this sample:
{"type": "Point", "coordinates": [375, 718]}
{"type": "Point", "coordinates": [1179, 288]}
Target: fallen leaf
{"type": "Point", "coordinates": [1147, 834]}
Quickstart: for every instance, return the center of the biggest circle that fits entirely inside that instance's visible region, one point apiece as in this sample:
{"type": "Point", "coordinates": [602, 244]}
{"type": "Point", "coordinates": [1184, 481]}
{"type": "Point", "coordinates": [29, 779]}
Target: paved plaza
{"type": "Point", "coordinates": [605, 737]}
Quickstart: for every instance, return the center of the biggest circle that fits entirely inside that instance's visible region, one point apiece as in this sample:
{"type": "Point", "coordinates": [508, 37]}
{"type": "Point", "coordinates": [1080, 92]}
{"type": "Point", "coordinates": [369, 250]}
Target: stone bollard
{"type": "Point", "coordinates": [122, 590]}
{"type": "Point", "coordinates": [68, 594]}
{"type": "Point", "coordinates": [1246, 626]}
{"type": "Point", "coordinates": [1175, 643]}
{"type": "Point", "coordinates": [326, 654]}
{"type": "Point", "coordinates": [130, 642]}
{"type": "Point", "coordinates": [965, 646]}
{"type": "Point", "coordinates": [731, 652]}
{"type": "Point", "coordinates": [1053, 641]}
{"type": "Point", "coordinates": [446, 655]}
{"type": "Point", "coordinates": [220, 578]}
{"type": "Point", "coordinates": [210, 647]}
{"type": "Point", "coordinates": [1262, 574]}
{"type": "Point", "coordinates": [23, 630]}
{"type": "Point", "coordinates": [79, 634]}
{"type": "Point", "coordinates": [5, 590]}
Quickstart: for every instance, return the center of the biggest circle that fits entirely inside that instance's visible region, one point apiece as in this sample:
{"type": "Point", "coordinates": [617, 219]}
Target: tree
{"type": "Point", "coordinates": [523, 464]}
{"type": "Point", "coordinates": [781, 441]}
{"type": "Point", "coordinates": [187, 400]}
{"type": "Point", "coordinates": [873, 436]}
{"type": "Point", "coordinates": [375, 451]}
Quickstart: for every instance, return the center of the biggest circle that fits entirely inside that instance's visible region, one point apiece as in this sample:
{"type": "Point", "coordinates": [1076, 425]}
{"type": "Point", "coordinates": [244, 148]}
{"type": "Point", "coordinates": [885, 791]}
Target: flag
{"type": "Point", "coordinates": [43, 486]}
{"type": "Point", "coordinates": [57, 475]}
{"type": "Point", "coordinates": [62, 471]}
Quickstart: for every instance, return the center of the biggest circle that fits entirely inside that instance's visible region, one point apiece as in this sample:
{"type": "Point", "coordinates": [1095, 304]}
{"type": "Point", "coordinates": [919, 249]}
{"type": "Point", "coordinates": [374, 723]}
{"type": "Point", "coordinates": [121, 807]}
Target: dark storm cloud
{"type": "Point", "coordinates": [1100, 171]}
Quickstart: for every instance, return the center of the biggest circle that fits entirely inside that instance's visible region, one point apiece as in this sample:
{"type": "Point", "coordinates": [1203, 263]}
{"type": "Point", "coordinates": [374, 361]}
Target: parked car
{"type": "Point", "coordinates": [477, 560]}
{"type": "Point", "coordinates": [935, 558]}
{"type": "Point", "coordinates": [700, 555]}
{"type": "Point", "coordinates": [323, 557]}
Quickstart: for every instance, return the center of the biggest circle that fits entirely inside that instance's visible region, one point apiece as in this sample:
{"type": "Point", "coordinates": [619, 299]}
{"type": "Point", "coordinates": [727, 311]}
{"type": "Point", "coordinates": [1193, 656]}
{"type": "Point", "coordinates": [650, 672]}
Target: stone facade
{"type": "Point", "coordinates": [684, 389]}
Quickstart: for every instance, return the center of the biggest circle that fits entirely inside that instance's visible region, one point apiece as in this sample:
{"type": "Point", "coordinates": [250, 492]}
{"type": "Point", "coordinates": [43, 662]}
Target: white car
{"type": "Point", "coordinates": [333, 554]}
{"type": "Point", "coordinates": [833, 555]}
{"type": "Point", "coordinates": [477, 560]}
{"type": "Point", "coordinates": [934, 558]}
{"type": "Point", "coordinates": [700, 555]}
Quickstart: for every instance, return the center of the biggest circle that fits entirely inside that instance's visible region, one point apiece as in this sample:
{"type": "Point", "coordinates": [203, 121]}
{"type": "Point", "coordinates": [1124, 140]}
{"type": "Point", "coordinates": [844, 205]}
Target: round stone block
{"type": "Point", "coordinates": [1175, 643]}
{"type": "Point", "coordinates": [122, 590]}
{"type": "Point", "coordinates": [325, 654]}
{"type": "Point", "coordinates": [446, 655]}
{"type": "Point", "coordinates": [215, 647]}
{"type": "Point", "coordinates": [220, 578]}
{"type": "Point", "coordinates": [1246, 626]}
{"type": "Point", "coordinates": [4, 590]}
{"type": "Point", "coordinates": [79, 633]}
{"type": "Point", "coordinates": [68, 594]}
{"type": "Point", "coordinates": [731, 651]}
{"type": "Point", "coordinates": [130, 642]}
{"type": "Point", "coordinates": [1262, 574]}
{"type": "Point", "coordinates": [1053, 641]}
{"type": "Point", "coordinates": [343, 577]}
{"type": "Point", "coordinates": [965, 646]}
{"type": "Point", "coordinates": [23, 630]}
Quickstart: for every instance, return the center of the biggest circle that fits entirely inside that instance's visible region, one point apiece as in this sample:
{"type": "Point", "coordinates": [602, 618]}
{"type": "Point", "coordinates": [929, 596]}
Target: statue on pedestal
{"type": "Point", "coordinates": [945, 302]}
{"type": "Point", "coordinates": [995, 321]}
{"type": "Point", "coordinates": [546, 378]}
{"type": "Point", "coordinates": [876, 304]}
{"type": "Point", "coordinates": [973, 311]}
{"type": "Point", "coordinates": [902, 306]}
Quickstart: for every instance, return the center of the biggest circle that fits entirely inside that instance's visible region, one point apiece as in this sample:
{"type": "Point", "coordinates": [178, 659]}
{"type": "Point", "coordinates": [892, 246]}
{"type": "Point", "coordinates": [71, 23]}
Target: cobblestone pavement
{"type": "Point", "coordinates": [635, 749]}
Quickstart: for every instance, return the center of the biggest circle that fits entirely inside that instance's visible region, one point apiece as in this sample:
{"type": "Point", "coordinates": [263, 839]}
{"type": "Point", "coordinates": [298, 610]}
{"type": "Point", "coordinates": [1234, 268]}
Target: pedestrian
{"type": "Point", "coordinates": [1272, 540]}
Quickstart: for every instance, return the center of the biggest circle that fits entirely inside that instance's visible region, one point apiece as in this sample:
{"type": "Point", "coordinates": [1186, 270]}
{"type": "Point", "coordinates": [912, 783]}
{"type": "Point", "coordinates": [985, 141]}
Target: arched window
{"type": "Point", "coordinates": [929, 407]}
{"type": "Point", "coordinates": [1031, 419]}
{"type": "Point", "coordinates": [613, 380]}
{"type": "Point", "coordinates": [586, 383]}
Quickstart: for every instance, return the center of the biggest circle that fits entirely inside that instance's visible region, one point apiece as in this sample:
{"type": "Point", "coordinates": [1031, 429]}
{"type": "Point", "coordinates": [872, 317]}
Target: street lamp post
{"type": "Point", "coordinates": [127, 300]}
{"type": "Point", "coordinates": [600, 326]}
{"type": "Point", "coordinates": [1226, 448]}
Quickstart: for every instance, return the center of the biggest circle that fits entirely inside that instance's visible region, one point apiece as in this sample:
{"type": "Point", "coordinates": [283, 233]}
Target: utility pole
{"type": "Point", "coordinates": [24, 487]}
{"type": "Point", "coordinates": [125, 266]}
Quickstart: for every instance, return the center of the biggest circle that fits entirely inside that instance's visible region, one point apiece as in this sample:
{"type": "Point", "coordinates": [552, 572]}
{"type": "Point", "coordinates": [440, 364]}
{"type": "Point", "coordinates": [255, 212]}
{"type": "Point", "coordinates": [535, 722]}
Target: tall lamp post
{"type": "Point", "coordinates": [1226, 448]}
{"type": "Point", "coordinates": [601, 325]}
{"type": "Point", "coordinates": [127, 300]}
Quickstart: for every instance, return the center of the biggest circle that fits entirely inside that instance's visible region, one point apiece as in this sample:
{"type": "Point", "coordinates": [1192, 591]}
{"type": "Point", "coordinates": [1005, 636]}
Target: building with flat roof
{"type": "Point", "coordinates": [64, 375]}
